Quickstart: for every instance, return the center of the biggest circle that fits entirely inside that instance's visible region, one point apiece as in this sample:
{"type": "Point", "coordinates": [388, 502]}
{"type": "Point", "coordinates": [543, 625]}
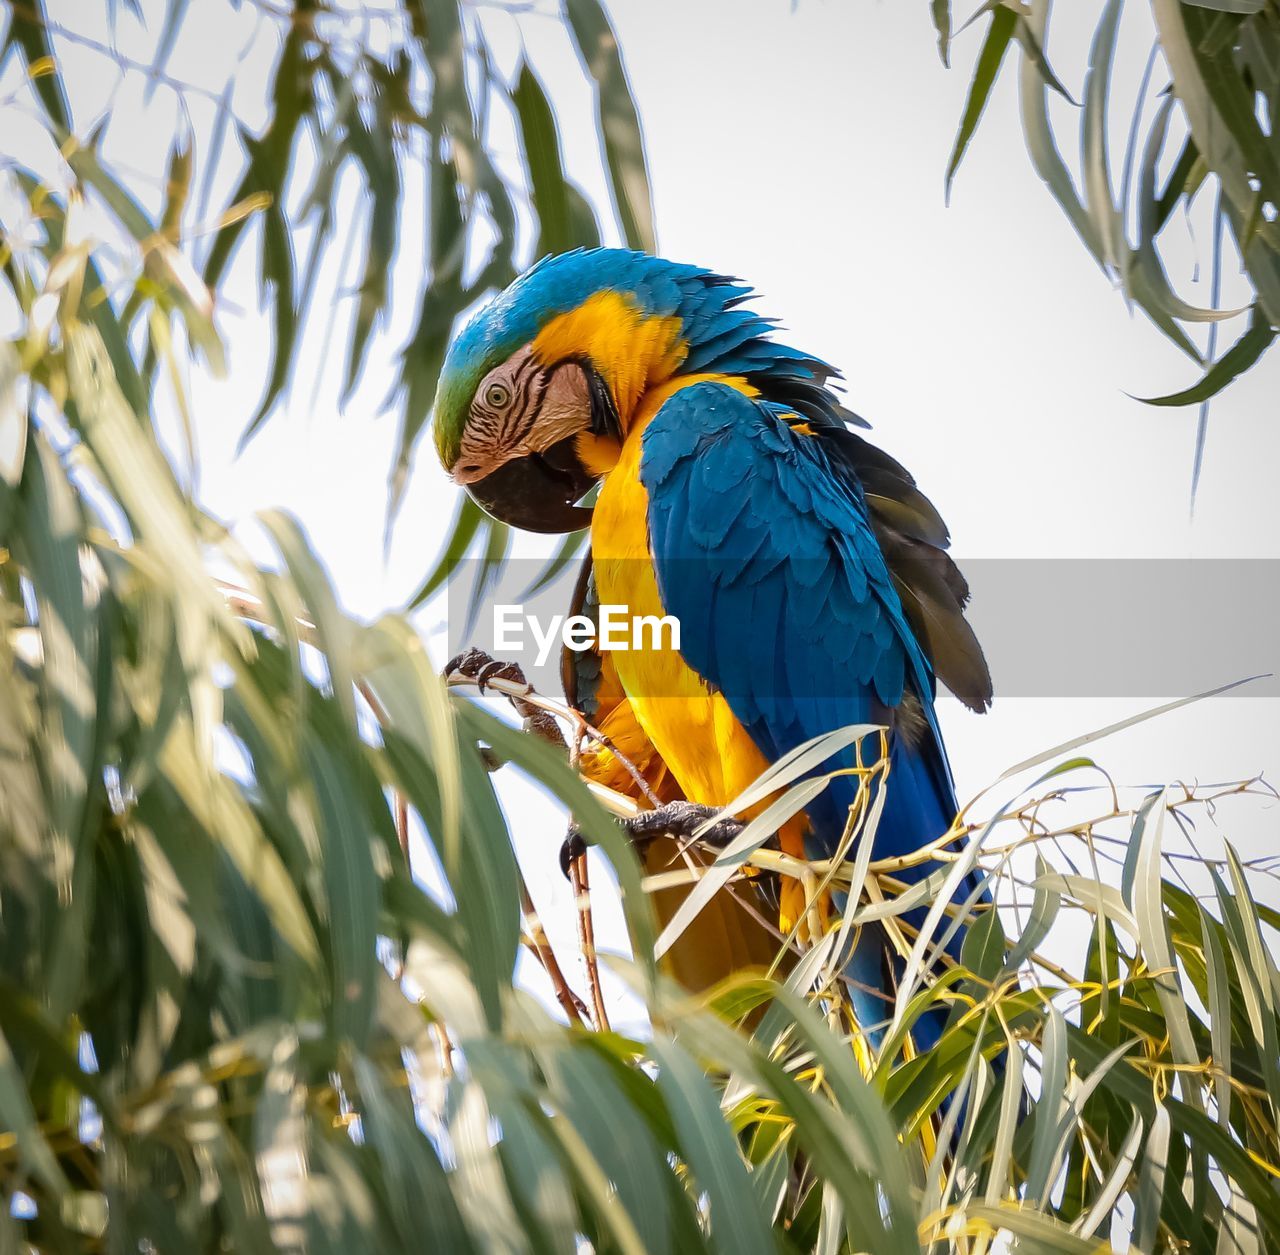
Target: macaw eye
{"type": "Point", "coordinates": [497, 396]}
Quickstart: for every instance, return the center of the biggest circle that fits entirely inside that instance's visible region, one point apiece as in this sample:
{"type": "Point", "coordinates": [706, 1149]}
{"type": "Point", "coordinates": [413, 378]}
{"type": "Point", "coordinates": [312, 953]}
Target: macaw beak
{"type": "Point", "coordinates": [538, 492]}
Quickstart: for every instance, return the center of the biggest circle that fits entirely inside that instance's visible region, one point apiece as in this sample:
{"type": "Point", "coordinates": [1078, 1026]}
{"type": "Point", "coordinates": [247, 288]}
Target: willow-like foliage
{"type": "Point", "coordinates": [1202, 125]}
{"type": "Point", "coordinates": [232, 1020]}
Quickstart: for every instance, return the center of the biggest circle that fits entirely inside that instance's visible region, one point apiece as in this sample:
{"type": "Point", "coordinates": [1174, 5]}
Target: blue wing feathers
{"type": "Point", "coordinates": [784, 599]}
{"type": "Point", "coordinates": [787, 607]}
{"type": "Point", "coordinates": [789, 523]}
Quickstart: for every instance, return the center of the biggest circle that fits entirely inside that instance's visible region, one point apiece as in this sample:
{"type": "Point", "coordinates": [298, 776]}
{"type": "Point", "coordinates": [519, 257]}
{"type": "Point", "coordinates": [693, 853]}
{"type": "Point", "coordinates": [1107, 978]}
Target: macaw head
{"type": "Point", "coordinates": [546, 369]}
{"type": "Point", "coordinates": [506, 427]}
{"type": "Point", "coordinates": [539, 390]}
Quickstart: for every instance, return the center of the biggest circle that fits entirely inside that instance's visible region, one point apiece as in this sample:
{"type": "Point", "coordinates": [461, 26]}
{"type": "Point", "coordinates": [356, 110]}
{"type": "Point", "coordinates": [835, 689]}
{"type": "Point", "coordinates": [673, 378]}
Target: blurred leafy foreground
{"type": "Point", "coordinates": [230, 1019]}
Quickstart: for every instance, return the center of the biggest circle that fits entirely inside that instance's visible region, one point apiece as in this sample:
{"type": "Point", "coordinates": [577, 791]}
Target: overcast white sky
{"type": "Point", "coordinates": [802, 147]}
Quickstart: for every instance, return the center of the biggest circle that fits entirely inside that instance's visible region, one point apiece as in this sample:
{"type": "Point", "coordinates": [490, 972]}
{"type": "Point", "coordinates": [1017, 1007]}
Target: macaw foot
{"type": "Point", "coordinates": [684, 821]}
{"type": "Point", "coordinates": [483, 669]}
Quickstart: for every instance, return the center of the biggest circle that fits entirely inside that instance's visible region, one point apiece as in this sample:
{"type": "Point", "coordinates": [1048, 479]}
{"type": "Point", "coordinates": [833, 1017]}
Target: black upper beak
{"type": "Point", "coordinates": [539, 492]}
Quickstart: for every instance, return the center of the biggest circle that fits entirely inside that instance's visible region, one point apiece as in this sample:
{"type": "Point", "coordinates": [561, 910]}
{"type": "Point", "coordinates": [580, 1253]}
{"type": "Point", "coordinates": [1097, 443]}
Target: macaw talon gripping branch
{"type": "Point", "coordinates": [475, 664]}
{"type": "Point", "coordinates": [686, 822]}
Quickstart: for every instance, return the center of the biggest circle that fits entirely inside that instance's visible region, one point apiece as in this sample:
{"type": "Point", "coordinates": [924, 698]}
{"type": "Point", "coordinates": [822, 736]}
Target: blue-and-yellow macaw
{"type": "Point", "coordinates": [806, 570]}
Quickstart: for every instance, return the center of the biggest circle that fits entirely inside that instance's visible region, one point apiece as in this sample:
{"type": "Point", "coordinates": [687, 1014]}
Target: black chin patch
{"type": "Point", "coordinates": [539, 492]}
{"type": "Point", "coordinates": [604, 413]}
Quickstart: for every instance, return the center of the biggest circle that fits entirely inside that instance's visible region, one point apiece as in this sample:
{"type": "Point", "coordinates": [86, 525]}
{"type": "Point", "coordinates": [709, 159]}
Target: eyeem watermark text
{"type": "Point", "coordinates": [615, 628]}
{"type": "Point", "coordinates": [1141, 629]}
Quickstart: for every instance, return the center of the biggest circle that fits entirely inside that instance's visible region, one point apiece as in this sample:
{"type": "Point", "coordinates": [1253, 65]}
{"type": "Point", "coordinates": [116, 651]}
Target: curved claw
{"type": "Point", "coordinates": [482, 667]}
{"type": "Point", "coordinates": [685, 821]}
{"type": "Point", "coordinates": [572, 847]}
{"type": "Point", "coordinates": [495, 669]}
{"type": "Point", "coordinates": [468, 662]}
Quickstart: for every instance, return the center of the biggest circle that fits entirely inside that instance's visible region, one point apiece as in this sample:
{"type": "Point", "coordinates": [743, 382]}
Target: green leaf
{"type": "Point", "coordinates": [983, 949]}
{"type": "Point", "coordinates": [1044, 911]}
{"type": "Point", "coordinates": [1076, 742]}
{"type": "Point", "coordinates": [1032, 48]}
{"type": "Point", "coordinates": [276, 265]}
{"type": "Point", "coordinates": [89, 168]}
{"type": "Point", "coordinates": [18, 1118]}
{"type": "Point", "coordinates": [279, 1142]}
{"type": "Point", "coordinates": [1230, 6]}
{"type": "Point", "coordinates": [1219, 1007]}
{"type": "Point", "coordinates": [351, 888]}
{"type": "Point", "coordinates": [467, 519]}
{"type": "Point", "coordinates": [53, 530]}
{"type": "Point", "coordinates": [1147, 1207]}
{"type": "Point", "coordinates": [270, 160]}
{"type": "Point", "coordinates": [1099, 200]}
{"type": "Point", "coordinates": [557, 203]}
{"type": "Point", "coordinates": [480, 1185]}
{"type": "Point", "coordinates": [137, 473]}
{"type": "Point", "coordinates": [1234, 362]}
{"type": "Point", "coordinates": [996, 44]}
{"type": "Point", "coordinates": [1036, 1234]}
{"type": "Point", "coordinates": [619, 122]}
{"type": "Point", "coordinates": [1221, 113]}
{"type": "Point", "coordinates": [1232, 96]}
{"type": "Point", "coordinates": [391, 659]}
{"type": "Point", "coordinates": [1041, 146]}
{"type": "Point", "coordinates": [548, 766]}
{"type": "Point", "coordinates": [95, 307]}
{"type": "Point", "coordinates": [269, 157]}
{"type": "Point", "coordinates": [175, 12]}
{"type": "Point", "coordinates": [373, 149]}
{"type": "Point", "coordinates": [334, 631]}
{"type": "Point", "coordinates": [1043, 1163]}
{"type": "Point", "coordinates": [1239, 1233]}
{"type": "Point", "coordinates": [437, 27]}
{"type": "Point", "coordinates": [940, 10]}
{"type": "Point", "coordinates": [1258, 973]}
{"type": "Point", "coordinates": [1117, 1180]}
{"type": "Point", "coordinates": [1146, 280]}
{"type": "Point", "coordinates": [1185, 180]}
{"type": "Point", "coordinates": [858, 1127]}
{"type": "Point", "coordinates": [13, 429]}
{"type": "Point", "coordinates": [607, 1211]}
{"type": "Point", "coordinates": [219, 808]}
{"type": "Point", "coordinates": [29, 32]}
{"type": "Point", "coordinates": [538, 1184]}
{"type": "Point", "coordinates": [706, 1141]}
{"type": "Point", "coordinates": [486, 881]}
{"type": "Point", "coordinates": [1010, 1113]}
{"type": "Point", "coordinates": [443, 296]}
{"type": "Point", "coordinates": [414, 1178]}
{"type": "Point", "coordinates": [1096, 897]}
{"type": "Point", "coordinates": [589, 1093]}
{"type": "Point", "coordinates": [1211, 348]}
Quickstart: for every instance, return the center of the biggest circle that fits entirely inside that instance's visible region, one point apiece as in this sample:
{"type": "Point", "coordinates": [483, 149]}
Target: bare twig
{"type": "Point", "coordinates": [579, 879]}
{"type": "Point", "coordinates": [573, 1006]}
{"type": "Point", "coordinates": [402, 823]}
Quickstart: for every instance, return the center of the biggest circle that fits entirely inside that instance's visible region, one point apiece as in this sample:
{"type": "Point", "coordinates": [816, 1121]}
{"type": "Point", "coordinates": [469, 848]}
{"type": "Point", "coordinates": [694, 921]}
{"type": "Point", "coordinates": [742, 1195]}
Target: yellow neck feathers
{"type": "Point", "coordinates": [632, 350]}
